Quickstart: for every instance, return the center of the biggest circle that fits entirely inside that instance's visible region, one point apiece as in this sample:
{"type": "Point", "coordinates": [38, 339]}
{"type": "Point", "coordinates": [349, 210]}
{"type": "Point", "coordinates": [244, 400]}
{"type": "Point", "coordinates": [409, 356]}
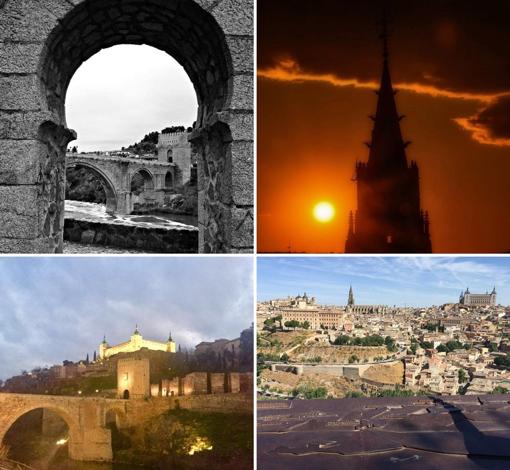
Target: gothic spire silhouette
{"type": "Point", "coordinates": [387, 148]}
{"type": "Point", "coordinates": [389, 218]}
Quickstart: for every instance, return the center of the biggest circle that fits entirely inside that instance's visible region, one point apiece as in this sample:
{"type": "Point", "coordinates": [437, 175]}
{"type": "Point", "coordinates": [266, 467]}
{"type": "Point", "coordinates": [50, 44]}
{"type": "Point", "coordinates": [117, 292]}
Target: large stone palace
{"type": "Point", "coordinates": [135, 343]}
{"type": "Point", "coordinates": [305, 309]}
{"type": "Point", "coordinates": [478, 300]}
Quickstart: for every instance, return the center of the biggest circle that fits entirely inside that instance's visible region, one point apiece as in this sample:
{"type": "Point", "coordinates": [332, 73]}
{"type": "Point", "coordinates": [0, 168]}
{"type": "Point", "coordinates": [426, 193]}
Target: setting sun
{"type": "Point", "coordinates": [323, 211]}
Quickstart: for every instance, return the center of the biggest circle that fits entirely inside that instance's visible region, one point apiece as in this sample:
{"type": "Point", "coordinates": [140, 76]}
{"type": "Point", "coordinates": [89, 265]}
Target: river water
{"type": "Point", "coordinates": [97, 213]}
{"type": "Point", "coordinates": [56, 458]}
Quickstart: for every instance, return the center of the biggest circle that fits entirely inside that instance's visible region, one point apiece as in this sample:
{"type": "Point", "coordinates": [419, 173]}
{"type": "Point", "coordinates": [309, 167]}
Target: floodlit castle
{"type": "Point", "coordinates": [135, 343]}
{"type": "Point", "coordinates": [478, 300]}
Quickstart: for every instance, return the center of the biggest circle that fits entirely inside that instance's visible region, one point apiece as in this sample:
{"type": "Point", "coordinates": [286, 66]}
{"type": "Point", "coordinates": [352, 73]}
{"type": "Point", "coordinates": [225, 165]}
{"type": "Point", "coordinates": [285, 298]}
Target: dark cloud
{"type": "Point", "coordinates": [462, 46]}
{"type": "Point", "coordinates": [492, 123]}
{"type": "Point", "coordinates": [59, 308]}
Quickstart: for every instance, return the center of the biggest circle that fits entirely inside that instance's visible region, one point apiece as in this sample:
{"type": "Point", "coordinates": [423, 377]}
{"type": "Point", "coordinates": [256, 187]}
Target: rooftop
{"type": "Point", "coordinates": [470, 432]}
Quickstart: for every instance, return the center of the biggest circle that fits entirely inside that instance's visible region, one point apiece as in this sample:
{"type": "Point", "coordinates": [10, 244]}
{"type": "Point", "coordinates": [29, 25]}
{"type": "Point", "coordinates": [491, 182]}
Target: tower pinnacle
{"type": "Point", "coordinates": [389, 217]}
{"type": "Point", "coordinates": [384, 34]}
{"type": "Point", "coordinates": [350, 300]}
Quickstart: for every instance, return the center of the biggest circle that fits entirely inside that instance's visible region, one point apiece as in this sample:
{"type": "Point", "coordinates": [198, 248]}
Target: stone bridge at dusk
{"type": "Point", "coordinates": [87, 418]}
{"type": "Point", "coordinates": [117, 173]}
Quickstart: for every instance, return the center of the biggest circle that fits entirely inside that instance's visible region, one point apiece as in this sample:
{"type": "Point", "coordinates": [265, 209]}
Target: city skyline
{"type": "Point", "coordinates": [57, 309]}
{"type": "Point", "coordinates": [402, 281]}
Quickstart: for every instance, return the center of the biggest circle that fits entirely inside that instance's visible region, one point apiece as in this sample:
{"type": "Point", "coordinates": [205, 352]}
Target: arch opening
{"type": "Point", "coordinates": [125, 395]}
{"type": "Point", "coordinates": [142, 181]}
{"type": "Point", "coordinates": [169, 180]}
{"type": "Point", "coordinates": [115, 421]}
{"type": "Point", "coordinates": [88, 183]}
{"type": "Point", "coordinates": [203, 38]}
{"type": "Point", "coordinates": [39, 436]}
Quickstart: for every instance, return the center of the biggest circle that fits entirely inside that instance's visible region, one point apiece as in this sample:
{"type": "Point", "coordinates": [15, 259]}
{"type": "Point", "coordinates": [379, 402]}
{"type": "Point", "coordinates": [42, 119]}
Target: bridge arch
{"type": "Point", "coordinates": [74, 437]}
{"type": "Point", "coordinates": [143, 179]}
{"type": "Point", "coordinates": [213, 41]}
{"type": "Point", "coordinates": [112, 205]}
{"type": "Point", "coordinates": [116, 414]}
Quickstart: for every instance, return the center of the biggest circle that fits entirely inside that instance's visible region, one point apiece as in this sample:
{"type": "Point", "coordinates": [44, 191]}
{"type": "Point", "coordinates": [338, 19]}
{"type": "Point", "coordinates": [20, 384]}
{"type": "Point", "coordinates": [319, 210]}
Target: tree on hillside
{"type": "Point", "coordinates": [292, 324]}
{"type": "Point", "coordinates": [172, 129]}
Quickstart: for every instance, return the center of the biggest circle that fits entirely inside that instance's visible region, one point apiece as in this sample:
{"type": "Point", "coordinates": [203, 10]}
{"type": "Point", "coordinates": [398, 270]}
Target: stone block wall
{"type": "Point", "coordinates": [217, 383]}
{"type": "Point", "coordinates": [133, 376]}
{"type": "Point", "coordinates": [45, 42]}
{"type": "Point", "coordinates": [195, 383]}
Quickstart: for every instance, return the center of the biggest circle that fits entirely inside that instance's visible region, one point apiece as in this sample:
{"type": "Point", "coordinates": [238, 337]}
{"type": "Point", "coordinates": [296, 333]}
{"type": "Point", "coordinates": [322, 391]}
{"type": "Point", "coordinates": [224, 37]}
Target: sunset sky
{"type": "Point", "coordinates": [318, 66]}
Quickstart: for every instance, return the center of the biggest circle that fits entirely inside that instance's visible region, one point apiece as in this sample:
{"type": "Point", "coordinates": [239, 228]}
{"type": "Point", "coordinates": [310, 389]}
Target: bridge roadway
{"type": "Point", "coordinates": [86, 418]}
{"type": "Point", "coordinates": [116, 175]}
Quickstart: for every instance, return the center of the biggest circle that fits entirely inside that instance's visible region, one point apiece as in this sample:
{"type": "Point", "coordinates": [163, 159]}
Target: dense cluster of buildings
{"type": "Point", "coordinates": [447, 348]}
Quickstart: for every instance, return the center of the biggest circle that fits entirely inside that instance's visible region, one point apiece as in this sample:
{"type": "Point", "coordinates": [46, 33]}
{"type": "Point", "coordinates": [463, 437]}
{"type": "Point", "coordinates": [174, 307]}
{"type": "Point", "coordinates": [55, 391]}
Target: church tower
{"type": "Point", "coordinates": [389, 218]}
{"type": "Point", "coordinates": [350, 300]}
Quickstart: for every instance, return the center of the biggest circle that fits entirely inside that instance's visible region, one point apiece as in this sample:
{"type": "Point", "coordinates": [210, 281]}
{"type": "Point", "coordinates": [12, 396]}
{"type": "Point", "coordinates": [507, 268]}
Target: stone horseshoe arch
{"type": "Point", "coordinates": [46, 42]}
{"type": "Point", "coordinates": [112, 201]}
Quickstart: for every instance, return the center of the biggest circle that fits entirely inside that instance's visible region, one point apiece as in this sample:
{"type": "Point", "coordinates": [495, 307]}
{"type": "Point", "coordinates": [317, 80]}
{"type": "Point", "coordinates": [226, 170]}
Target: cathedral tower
{"type": "Point", "coordinates": [350, 300]}
{"type": "Point", "coordinates": [389, 218]}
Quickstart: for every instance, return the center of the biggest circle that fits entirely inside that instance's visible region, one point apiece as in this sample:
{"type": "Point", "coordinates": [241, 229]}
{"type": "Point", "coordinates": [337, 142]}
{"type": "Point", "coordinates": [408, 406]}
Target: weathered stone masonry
{"type": "Point", "coordinates": [43, 44]}
{"type": "Point", "coordinates": [89, 437]}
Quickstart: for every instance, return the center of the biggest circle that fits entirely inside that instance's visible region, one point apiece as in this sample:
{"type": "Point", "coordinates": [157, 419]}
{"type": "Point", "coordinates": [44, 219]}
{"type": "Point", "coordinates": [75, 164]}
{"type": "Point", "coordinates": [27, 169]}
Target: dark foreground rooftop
{"type": "Point", "coordinates": [422, 433]}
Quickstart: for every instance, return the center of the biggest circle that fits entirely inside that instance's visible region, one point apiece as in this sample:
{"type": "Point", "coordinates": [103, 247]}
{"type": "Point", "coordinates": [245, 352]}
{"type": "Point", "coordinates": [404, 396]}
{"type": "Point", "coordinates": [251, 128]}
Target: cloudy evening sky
{"type": "Point", "coordinates": [59, 308]}
{"type": "Point", "coordinates": [124, 92]}
{"type": "Point", "coordinates": [412, 281]}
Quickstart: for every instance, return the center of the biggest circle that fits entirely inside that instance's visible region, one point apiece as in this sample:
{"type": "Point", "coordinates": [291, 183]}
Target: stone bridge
{"type": "Point", "coordinates": [44, 42]}
{"type": "Point", "coordinates": [116, 175]}
{"type": "Point", "coordinates": [86, 418]}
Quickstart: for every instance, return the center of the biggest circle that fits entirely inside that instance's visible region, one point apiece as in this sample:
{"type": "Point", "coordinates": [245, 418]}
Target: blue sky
{"type": "Point", "coordinates": [58, 308]}
{"type": "Point", "coordinates": [412, 281]}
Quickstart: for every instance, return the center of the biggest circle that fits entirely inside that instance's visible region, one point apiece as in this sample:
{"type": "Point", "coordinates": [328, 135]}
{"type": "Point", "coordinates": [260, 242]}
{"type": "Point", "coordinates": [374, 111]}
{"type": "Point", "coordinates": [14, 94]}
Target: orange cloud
{"type": "Point", "coordinates": [288, 70]}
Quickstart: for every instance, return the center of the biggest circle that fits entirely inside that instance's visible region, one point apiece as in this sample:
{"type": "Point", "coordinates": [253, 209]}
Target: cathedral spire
{"type": "Point", "coordinates": [389, 218]}
{"type": "Point", "coordinates": [350, 300]}
{"type": "Point", "coordinates": [387, 148]}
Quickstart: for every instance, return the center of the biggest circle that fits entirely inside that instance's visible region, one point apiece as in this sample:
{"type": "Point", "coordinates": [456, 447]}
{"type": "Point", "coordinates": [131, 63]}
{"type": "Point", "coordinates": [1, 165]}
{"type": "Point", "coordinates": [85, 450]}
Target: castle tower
{"type": "Point", "coordinates": [102, 348]}
{"type": "Point", "coordinates": [350, 300]}
{"type": "Point", "coordinates": [389, 218]}
{"type": "Point", "coordinates": [136, 339]}
{"type": "Point", "coordinates": [493, 297]}
{"type": "Point", "coordinates": [170, 344]}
